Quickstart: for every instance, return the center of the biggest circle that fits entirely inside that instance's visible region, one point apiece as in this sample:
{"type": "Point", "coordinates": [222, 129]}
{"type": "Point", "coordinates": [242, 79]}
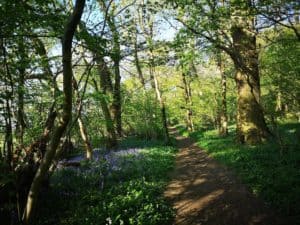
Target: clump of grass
{"type": "Point", "coordinates": [270, 175]}
{"type": "Point", "coordinates": [131, 194]}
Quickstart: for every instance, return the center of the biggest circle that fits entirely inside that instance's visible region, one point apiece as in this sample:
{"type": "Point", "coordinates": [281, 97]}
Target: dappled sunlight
{"type": "Point", "coordinates": [204, 192]}
{"type": "Point", "coordinates": [197, 204]}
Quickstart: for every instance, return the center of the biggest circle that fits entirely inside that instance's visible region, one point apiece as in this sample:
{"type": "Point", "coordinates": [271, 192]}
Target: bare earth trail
{"type": "Point", "coordinates": [203, 192]}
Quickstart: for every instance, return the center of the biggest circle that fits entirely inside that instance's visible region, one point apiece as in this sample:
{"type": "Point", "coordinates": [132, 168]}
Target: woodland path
{"type": "Point", "coordinates": [204, 192]}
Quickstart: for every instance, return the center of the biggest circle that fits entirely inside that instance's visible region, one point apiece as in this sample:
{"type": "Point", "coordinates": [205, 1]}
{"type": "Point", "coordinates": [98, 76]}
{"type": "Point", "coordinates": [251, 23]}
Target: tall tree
{"type": "Point", "coordinates": [82, 128]}
{"type": "Point", "coordinates": [94, 44]}
{"type": "Point", "coordinates": [116, 57]}
{"type": "Point", "coordinates": [148, 29]}
{"type": "Point", "coordinates": [251, 125]}
{"type": "Point", "coordinates": [223, 129]}
{"type": "Point", "coordinates": [65, 117]}
{"type": "Point", "coordinates": [231, 27]}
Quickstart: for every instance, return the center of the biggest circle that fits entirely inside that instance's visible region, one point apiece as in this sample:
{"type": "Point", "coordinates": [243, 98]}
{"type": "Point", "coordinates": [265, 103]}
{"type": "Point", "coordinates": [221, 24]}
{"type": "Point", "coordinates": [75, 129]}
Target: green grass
{"type": "Point", "coordinates": [131, 195]}
{"type": "Point", "coordinates": [270, 175]}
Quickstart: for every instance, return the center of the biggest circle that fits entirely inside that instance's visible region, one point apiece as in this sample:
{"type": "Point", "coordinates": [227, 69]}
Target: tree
{"type": "Point", "coordinates": [116, 57]}
{"type": "Point", "coordinates": [230, 27]}
{"type": "Point", "coordinates": [223, 128]}
{"type": "Point", "coordinates": [148, 29]}
{"type": "Point", "coordinates": [65, 117]}
{"type": "Point", "coordinates": [186, 54]}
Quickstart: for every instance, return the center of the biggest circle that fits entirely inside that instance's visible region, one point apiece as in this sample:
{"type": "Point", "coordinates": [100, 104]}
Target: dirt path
{"type": "Point", "coordinates": [204, 192]}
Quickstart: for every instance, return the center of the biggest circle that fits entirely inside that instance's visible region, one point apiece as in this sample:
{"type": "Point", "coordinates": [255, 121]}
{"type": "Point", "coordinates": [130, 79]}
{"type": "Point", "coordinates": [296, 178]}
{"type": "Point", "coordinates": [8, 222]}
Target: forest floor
{"type": "Point", "coordinates": [204, 192]}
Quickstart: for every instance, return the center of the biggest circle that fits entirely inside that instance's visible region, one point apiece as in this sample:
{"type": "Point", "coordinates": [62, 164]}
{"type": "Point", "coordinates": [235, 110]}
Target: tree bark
{"type": "Point", "coordinates": [137, 62]}
{"type": "Point", "coordinates": [41, 50]}
{"type": "Point", "coordinates": [85, 138]}
{"type": "Point", "coordinates": [8, 145]}
{"type": "Point", "coordinates": [188, 102]}
{"type": "Point", "coordinates": [67, 112]}
{"type": "Point", "coordinates": [223, 129]}
{"type": "Point", "coordinates": [20, 126]}
{"type": "Point", "coordinates": [105, 84]}
{"type": "Point", "coordinates": [162, 108]}
{"type": "Point", "coordinates": [251, 125]}
{"type": "Point", "coordinates": [82, 128]}
{"type": "Point", "coordinates": [117, 101]}
{"type": "Point", "coordinates": [8, 133]}
{"type": "Point", "coordinates": [116, 108]}
{"type": "Point", "coordinates": [111, 133]}
{"type": "Point", "coordinates": [104, 73]}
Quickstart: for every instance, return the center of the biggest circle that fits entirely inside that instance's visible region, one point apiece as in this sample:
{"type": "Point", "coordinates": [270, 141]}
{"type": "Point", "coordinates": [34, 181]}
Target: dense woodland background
{"type": "Point", "coordinates": [105, 74]}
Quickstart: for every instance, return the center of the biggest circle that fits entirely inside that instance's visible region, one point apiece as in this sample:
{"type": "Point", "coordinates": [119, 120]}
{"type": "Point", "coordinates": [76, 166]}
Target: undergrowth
{"type": "Point", "coordinates": [132, 193]}
{"type": "Point", "coordinates": [273, 176]}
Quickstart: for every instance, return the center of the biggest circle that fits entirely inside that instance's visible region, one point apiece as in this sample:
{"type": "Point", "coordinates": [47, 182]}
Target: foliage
{"type": "Point", "coordinates": [141, 114]}
{"type": "Point", "coordinates": [131, 195]}
{"type": "Point", "coordinates": [280, 74]}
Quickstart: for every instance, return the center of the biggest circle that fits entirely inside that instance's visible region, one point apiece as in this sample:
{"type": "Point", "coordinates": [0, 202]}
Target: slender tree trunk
{"type": "Point", "coordinates": [155, 84]}
{"type": "Point", "coordinates": [137, 63]}
{"type": "Point", "coordinates": [41, 50]}
{"type": "Point", "coordinates": [188, 102]}
{"type": "Point", "coordinates": [111, 133]}
{"type": "Point", "coordinates": [20, 126]}
{"type": "Point", "coordinates": [117, 101]}
{"type": "Point", "coordinates": [85, 138]}
{"type": "Point", "coordinates": [223, 130]}
{"type": "Point", "coordinates": [112, 137]}
{"type": "Point", "coordinates": [162, 109]}
{"type": "Point", "coordinates": [67, 112]}
{"type": "Point", "coordinates": [105, 76]}
{"type": "Point", "coordinates": [82, 128]}
{"type": "Point", "coordinates": [116, 57]}
{"type": "Point", "coordinates": [8, 133]}
{"type": "Point", "coordinates": [216, 114]}
{"type": "Point", "coordinates": [279, 106]}
{"type": "Point", "coordinates": [106, 85]}
{"type": "Point", "coordinates": [9, 91]}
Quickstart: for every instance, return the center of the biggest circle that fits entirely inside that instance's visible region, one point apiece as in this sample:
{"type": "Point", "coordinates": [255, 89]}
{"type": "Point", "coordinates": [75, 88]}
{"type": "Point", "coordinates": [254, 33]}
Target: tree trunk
{"type": "Point", "coordinates": [116, 57]}
{"type": "Point", "coordinates": [117, 102]}
{"type": "Point", "coordinates": [8, 142]}
{"type": "Point", "coordinates": [154, 81]}
{"type": "Point", "coordinates": [82, 128]}
{"type": "Point", "coordinates": [137, 63]}
{"type": "Point", "coordinates": [223, 129]}
{"type": "Point", "coordinates": [112, 138]}
{"type": "Point", "coordinates": [20, 125]}
{"type": "Point", "coordinates": [85, 138]}
{"type": "Point", "coordinates": [104, 73]}
{"type": "Point", "coordinates": [8, 133]}
{"type": "Point", "coordinates": [162, 109]}
{"type": "Point", "coordinates": [111, 133]}
{"type": "Point", "coordinates": [67, 112]}
{"type": "Point", "coordinates": [188, 102]}
{"type": "Point", "coordinates": [106, 85]}
{"type": "Point", "coordinates": [41, 50]}
{"type": "Point", "coordinates": [251, 126]}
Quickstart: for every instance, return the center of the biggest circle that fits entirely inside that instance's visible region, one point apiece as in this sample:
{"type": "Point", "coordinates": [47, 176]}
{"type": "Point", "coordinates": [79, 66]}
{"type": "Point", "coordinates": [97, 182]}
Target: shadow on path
{"type": "Point", "coordinates": [203, 192]}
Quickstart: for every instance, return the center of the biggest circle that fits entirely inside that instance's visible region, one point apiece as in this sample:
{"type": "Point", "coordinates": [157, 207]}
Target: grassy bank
{"type": "Point", "coordinates": [273, 176]}
{"type": "Point", "coordinates": [132, 192]}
